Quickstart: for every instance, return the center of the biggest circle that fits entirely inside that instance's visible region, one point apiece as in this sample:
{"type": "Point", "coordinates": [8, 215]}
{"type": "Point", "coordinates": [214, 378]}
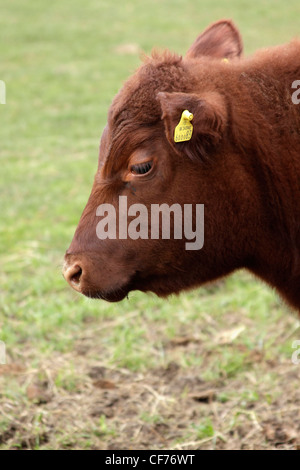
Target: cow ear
{"type": "Point", "coordinates": [209, 121]}
{"type": "Point", "coordinates": [221, 39]}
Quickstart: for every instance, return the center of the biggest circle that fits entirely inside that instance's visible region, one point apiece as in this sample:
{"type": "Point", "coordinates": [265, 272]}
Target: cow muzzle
{"type": "Point", "coordinates": [93, 277]}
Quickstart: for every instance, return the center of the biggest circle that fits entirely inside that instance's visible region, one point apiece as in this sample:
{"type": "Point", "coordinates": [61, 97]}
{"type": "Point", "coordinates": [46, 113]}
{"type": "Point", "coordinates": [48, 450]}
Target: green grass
{"type": "Point", "coordinates": [61, 66]}
{"type": "Point", "coordinates": [204, 430]}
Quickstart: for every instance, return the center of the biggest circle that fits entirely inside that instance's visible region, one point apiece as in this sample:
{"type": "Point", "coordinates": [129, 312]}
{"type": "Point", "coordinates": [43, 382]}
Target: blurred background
{"type": "Point", "coordinates": [208, 369]}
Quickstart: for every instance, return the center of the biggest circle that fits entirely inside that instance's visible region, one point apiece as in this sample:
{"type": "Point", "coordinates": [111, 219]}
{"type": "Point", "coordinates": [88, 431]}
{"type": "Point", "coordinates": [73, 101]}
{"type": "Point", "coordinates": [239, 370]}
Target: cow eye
{"type": "Point", "coordinates": [141, 168]}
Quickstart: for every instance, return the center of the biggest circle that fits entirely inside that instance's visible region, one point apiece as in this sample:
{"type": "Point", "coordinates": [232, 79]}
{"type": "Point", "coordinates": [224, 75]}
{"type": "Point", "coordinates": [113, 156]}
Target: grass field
{"type": "Point", "coordinates": [208, 369]}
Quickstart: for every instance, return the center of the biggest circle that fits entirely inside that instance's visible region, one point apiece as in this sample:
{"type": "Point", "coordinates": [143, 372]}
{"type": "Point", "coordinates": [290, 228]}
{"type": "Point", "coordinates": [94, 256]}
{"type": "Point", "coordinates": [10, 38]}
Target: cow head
{"type": "Point", "coordinates": [140, 163]}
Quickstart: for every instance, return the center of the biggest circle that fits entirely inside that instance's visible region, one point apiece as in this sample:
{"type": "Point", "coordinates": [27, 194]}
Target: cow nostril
{"type": "Point", "coordinates": [73, 276]}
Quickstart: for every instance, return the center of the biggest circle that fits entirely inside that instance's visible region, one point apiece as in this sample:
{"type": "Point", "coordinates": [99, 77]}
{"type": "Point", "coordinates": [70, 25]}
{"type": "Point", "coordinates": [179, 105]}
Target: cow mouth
{"type": "Point", "coordinates": [150, 284]}
{"type": "Point", "coordinates": [116, 294]}
{"type": "Point", "coordinates": [112, 296]}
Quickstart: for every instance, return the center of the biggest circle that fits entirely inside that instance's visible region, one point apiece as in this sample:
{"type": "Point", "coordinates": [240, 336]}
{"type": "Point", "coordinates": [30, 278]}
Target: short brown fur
{"type": "Point", "coordinates": [242, 163]}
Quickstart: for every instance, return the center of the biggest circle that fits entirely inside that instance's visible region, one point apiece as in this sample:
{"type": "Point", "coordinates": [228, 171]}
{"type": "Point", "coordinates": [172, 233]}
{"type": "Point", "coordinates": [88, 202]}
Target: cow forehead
{"type": "Point", "coordinates": [135, 114]}
{"type": "Point", "coordinates": [137, 99]}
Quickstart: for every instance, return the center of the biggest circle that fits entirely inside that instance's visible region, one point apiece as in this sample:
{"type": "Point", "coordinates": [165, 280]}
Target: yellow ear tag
{"type": "Point", "coordinates": [184, 130]}
{"type": "Point", "coordinates": [225, 60]}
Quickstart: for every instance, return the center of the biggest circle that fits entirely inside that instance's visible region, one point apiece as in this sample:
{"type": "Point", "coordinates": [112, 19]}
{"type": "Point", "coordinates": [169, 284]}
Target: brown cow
{"type": "Point", "coordinates": [242, 162]}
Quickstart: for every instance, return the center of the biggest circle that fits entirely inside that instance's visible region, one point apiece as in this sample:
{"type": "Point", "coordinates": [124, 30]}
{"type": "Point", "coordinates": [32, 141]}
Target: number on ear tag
{"type": "Point", "coordinates": [184, 130]}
